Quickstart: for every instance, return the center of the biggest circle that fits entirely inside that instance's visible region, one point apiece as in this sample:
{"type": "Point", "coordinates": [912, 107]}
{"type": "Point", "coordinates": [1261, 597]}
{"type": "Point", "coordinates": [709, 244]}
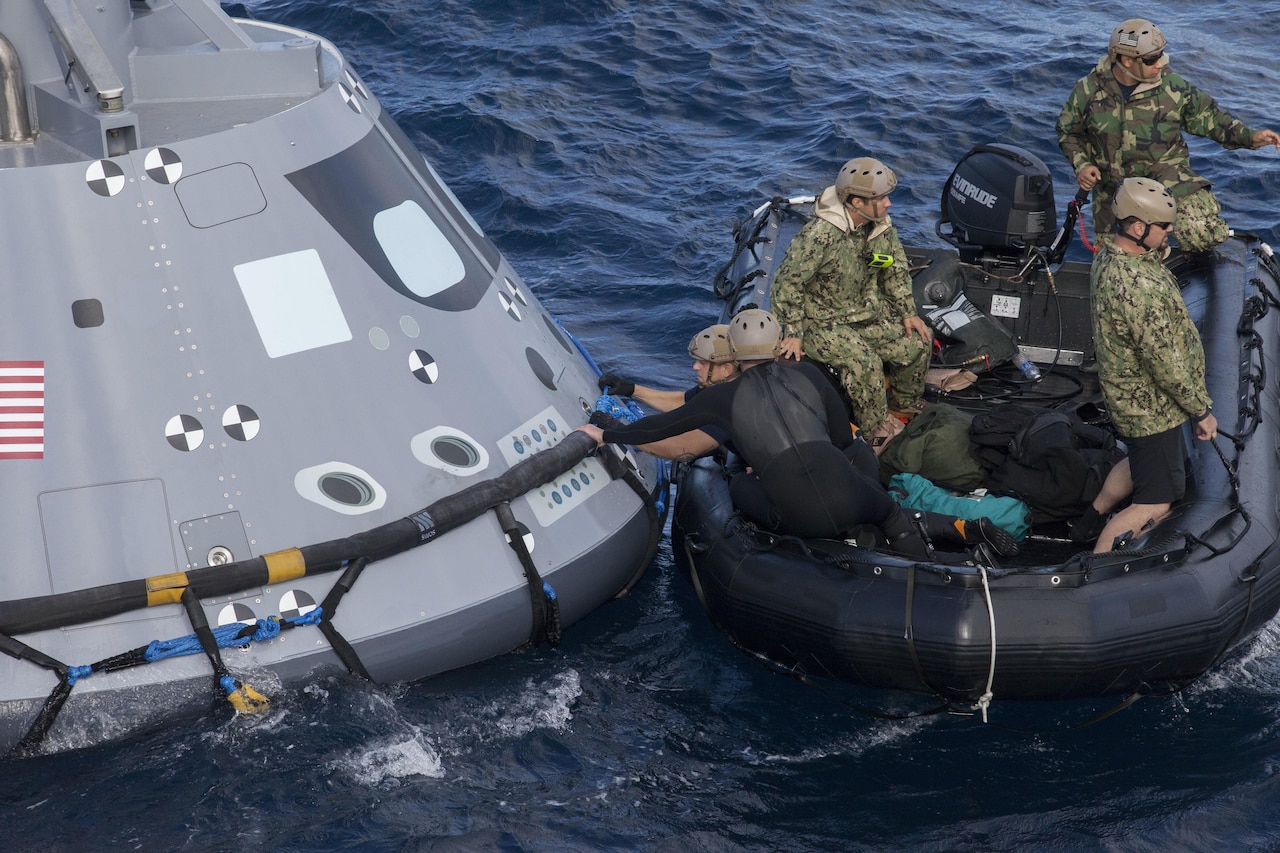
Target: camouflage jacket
{"type": "Point", "coordinates": [1150, 359]}
{"type": "Point", "coordinates": [826, 278]}
{"type": "Point", "coordinates": [1141, 137]}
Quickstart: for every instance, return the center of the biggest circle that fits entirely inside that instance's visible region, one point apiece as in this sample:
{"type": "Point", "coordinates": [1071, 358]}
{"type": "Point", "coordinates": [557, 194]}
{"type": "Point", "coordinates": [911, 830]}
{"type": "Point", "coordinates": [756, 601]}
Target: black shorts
{"type": "Point", "coordinates": [1157, 464]}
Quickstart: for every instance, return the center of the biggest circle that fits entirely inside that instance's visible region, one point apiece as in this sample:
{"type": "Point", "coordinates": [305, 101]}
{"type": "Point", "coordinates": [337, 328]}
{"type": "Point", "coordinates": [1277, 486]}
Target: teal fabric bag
{"type": "Point", "coordinates": [915, 492]}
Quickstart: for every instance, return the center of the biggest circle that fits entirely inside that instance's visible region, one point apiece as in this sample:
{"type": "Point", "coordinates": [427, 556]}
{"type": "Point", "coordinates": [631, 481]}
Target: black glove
{"type": "Point", "coordinates": [617, 386]}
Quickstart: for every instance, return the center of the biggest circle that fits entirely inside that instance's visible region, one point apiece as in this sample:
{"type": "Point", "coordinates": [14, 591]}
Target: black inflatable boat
{"type": "Point", "coordinates": [1052, 622]}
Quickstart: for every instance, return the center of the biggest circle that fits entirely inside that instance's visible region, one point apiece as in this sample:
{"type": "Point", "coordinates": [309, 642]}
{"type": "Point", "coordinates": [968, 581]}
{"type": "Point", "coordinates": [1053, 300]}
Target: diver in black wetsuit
{"type": "Point", "coordinates": [790, 426]}
{"type": "Point", "coordinates": [713, 363]}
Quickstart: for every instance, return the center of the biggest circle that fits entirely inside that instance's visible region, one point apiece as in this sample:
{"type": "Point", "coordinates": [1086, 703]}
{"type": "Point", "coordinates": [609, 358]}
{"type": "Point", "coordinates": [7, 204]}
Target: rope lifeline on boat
{"type": "Point", "coordinates": [984, 701]}
{"type": "Point", "coordinates": [1253, 380]}
{"type": "Point", "coordinates": [728, 289]}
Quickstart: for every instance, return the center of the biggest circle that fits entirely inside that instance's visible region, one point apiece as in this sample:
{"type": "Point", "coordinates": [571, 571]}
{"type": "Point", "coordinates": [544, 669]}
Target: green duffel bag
{"type": "Point", "coordinates": [935, 445]}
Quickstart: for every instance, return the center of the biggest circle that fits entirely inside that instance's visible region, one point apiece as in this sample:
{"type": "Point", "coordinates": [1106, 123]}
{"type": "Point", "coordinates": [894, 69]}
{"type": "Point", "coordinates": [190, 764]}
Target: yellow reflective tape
{"type": "Point", "coordinates": [285, 565]}
{"type": "Point", "coordinates": [166, 589]}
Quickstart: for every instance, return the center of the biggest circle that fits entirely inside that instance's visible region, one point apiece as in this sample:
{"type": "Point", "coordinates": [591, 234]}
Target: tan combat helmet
{"type": "Point", "coordinates": [1136, 37]}
{"type": "Point", "coordinates": [712, 344]}
{"type": "Point", "coordinates": [1145, 200]}
{"type": "Point", "coordinates": [754, 335]}
{"type": "Point", "coordinates": [864, 177]}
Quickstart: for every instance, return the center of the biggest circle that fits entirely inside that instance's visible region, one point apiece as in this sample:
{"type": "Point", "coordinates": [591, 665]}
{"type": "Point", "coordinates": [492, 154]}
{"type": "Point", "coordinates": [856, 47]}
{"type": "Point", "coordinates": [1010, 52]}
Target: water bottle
{"type": "Point", "coordinates": [1026, 365]}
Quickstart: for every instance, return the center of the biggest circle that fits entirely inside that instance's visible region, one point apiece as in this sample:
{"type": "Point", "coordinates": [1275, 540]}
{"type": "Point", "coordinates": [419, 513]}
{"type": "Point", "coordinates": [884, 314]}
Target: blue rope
{"type": "Point", "coordinates": [664, 474]}
{"type": "Point", "coordinates": [313, 616]}
{"type": "Point", "coordinates": [268, 629]}
{"type": "Point", "coordinates": [227, 636]}
{"type": "Point", "coordinates": [627, 412]}
{"type": "Point", "coordinates": [75, 673]}
{"type": "Point", "coordinates": [578, 345]}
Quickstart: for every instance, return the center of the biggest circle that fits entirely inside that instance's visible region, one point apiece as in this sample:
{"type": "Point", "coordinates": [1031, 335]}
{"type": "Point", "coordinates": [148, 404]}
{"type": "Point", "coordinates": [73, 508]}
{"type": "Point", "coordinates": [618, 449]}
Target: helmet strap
{"type": "Point", "coordinates": [851, 211]}
{"type": "Point", "coordinates": [711, 373]}
{"type": "Point", "coordinates": [1140, 242]}
{"type": "Point", "coordinates": [1133, 72]}
{"type": "Point", "coordinates": [866, 220]}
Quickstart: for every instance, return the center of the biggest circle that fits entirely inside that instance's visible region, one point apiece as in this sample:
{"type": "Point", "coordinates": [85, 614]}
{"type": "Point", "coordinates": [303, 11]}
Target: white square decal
{"type": "Point", "coordinates": [1006, 306]}
{"type": "Point", "coordinates": [292, 303]}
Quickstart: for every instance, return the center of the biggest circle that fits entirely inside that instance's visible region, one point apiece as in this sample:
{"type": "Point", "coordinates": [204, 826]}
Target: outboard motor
{"type": "Point", "coordinates": [998, 205]}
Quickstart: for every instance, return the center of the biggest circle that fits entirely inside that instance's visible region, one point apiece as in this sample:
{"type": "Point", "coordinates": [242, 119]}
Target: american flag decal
{"type": "Point", "coordinates": [21, 409]}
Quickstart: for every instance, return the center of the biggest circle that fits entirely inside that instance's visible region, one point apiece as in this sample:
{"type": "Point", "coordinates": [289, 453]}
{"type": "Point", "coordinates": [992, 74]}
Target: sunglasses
{"type": "Point", "coordinates": [1152, 60]}
{"type": "Point", "coordinates": [1165, 225]}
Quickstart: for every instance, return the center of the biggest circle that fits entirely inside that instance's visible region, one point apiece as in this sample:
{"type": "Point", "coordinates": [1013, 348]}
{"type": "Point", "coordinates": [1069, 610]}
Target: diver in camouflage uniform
{"type": "Point", "coordinates": [1126, 119]}
{"type": "Point", "coordinates": [843, 294]}
{"type": "Point", "coordinates": [1150, 365]}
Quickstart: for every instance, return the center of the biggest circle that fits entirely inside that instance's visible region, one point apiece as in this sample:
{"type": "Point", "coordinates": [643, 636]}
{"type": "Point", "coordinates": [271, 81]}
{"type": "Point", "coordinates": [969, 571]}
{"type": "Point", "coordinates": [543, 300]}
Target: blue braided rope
{"type": "Point", "coordinates": [664, 473]}
{"type": "Point", "coordinates": [627, 412]}
{"type": "Point", "coordinates": [75, 673]}
{"type": "Point", "coordinates": [227, 636]}
{"type": "Point", "coordinates": [578, 346]}
{"type": "Point", "coordinates": [314, 616]}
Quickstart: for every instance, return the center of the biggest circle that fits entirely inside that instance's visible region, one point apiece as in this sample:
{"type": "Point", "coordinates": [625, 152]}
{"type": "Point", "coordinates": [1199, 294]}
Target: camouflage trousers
{"type": "Point", "coordinates": [1197, 228]}
{"type": "Point", "coordinates": [864, 355]}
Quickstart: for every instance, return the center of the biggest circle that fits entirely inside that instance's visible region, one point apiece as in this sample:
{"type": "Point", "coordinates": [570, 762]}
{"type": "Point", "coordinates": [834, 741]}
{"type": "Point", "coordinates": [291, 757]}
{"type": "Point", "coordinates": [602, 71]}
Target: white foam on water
{"type": "Point", "coordinates": [400, 750]}
{"type": "Point", "coordinates": [857, 744]}
{"type": "Point", "coordinates": [1254, 667]}
{"type": "Point", "coordinates": [539, 706]}
{"type": "Point", "coordinates": [394, 760]}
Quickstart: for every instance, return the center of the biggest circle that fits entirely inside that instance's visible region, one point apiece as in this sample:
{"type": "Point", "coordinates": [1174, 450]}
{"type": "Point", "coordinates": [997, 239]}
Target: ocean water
{"type": "Point", "coordinates": [608, 147]}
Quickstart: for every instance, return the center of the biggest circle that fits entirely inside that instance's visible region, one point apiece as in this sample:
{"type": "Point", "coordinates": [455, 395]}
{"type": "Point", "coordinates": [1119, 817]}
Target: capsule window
{"type": "Point", "coordinates": [346, 489]}
{"type": "Point", "coordinates": [450, 450]}
{"type": "Point", "coordinates": [340, 487]}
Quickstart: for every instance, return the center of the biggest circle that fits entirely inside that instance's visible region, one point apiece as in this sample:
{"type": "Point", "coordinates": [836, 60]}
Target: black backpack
{"type": "Point", "coordinates": [991, 432]}
{"type": "Point", "coordinates": [1054, 460]}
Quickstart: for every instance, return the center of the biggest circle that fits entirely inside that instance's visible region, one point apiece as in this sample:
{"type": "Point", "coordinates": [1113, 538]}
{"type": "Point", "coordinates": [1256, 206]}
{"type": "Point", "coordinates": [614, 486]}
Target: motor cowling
{"type": "Point", "coordinates": [998, 201]}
